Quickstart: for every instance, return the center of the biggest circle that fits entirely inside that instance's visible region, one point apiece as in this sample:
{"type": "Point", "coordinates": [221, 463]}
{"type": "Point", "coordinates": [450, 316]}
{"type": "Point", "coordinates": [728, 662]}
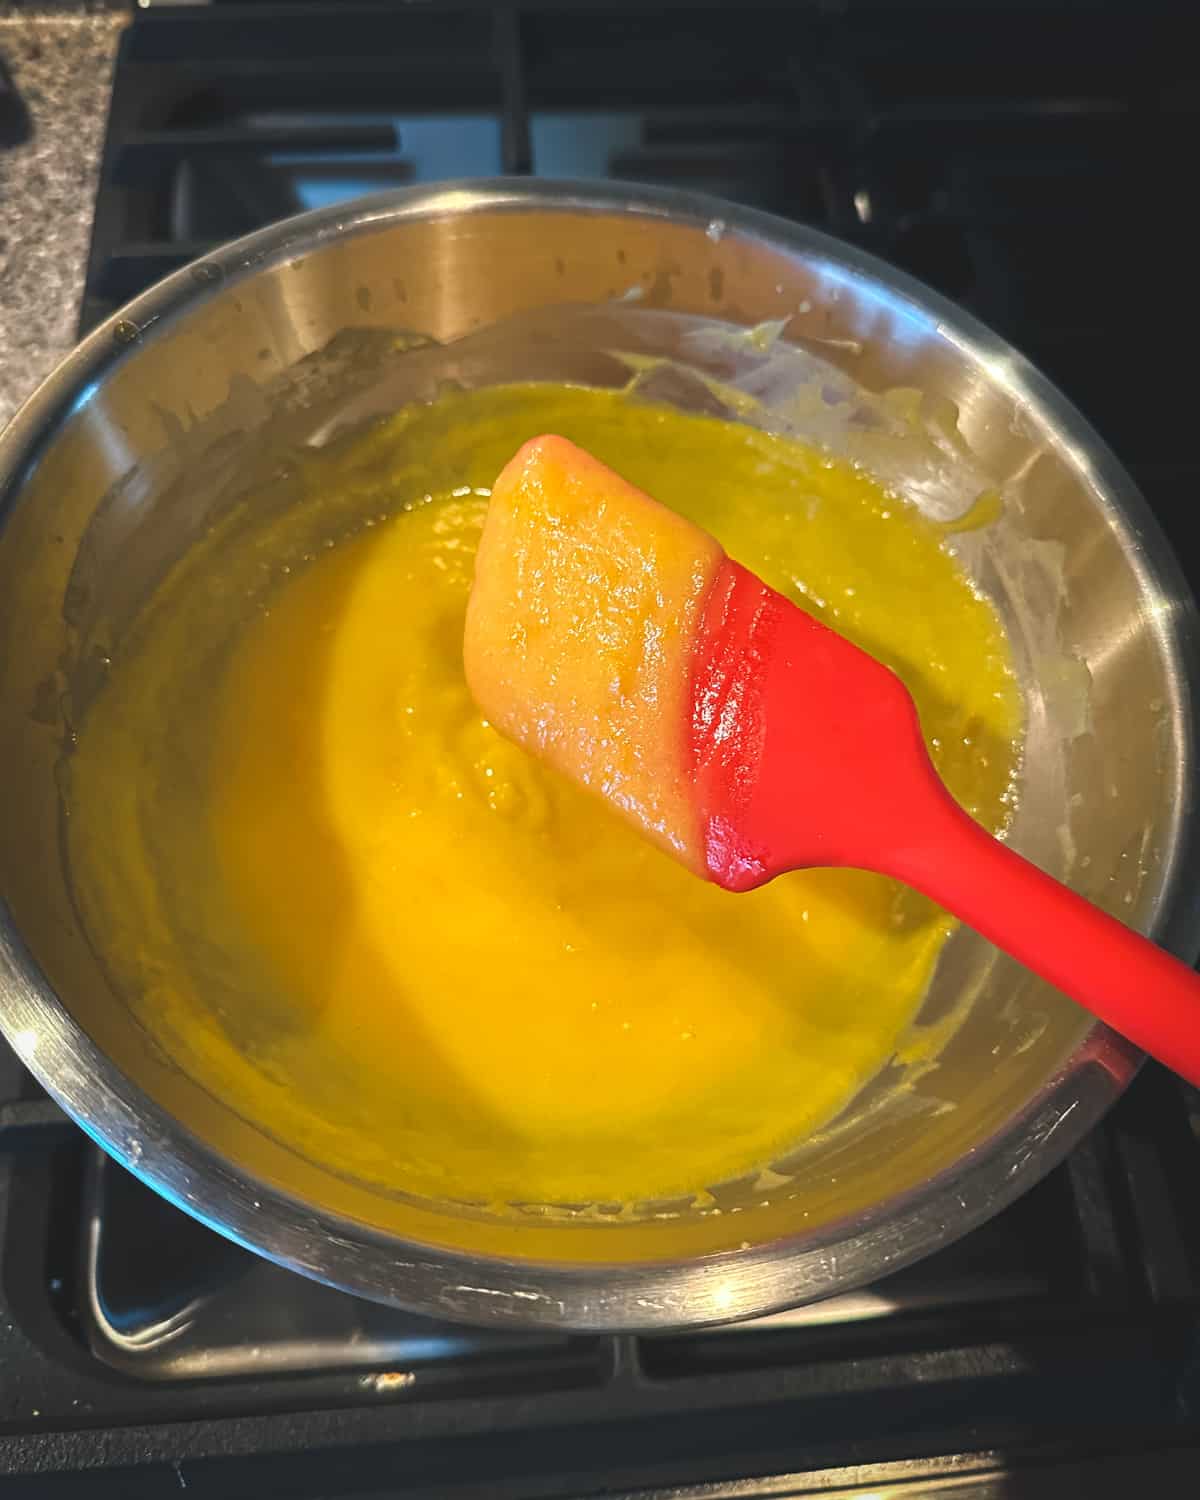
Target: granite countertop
{"type": "Point", "coordinates": [59, 59]}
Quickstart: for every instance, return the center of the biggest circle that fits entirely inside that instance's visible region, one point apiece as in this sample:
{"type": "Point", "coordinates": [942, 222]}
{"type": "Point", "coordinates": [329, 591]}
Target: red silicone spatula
{"type": "Point", "coordinates": [613, 638]}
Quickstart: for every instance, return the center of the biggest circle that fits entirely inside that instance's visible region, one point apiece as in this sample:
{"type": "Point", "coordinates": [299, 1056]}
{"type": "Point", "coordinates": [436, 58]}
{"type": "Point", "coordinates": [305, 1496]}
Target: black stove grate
{"type": "Point", "coordinates": [1067, 1325]}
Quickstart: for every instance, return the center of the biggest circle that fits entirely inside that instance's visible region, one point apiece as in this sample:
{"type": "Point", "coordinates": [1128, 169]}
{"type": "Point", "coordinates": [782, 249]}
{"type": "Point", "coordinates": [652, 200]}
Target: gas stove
{"type": "Point", "coordinates": [1027, 162]}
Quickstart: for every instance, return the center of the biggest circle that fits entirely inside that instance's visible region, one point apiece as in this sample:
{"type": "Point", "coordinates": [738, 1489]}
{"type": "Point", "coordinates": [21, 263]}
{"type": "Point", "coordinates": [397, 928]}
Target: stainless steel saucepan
{"type": "Point", "coordinates": [126, 453]}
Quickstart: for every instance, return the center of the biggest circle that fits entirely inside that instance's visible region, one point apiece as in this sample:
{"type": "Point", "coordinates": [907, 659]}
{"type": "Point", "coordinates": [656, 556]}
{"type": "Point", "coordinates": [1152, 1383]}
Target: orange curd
{"type": "Point", "coordinates": [341, 899]}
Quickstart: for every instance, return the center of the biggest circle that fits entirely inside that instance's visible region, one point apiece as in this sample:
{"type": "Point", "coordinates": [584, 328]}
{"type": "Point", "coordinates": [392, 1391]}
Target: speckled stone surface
{"type": "Point", "coordinates": [60, 60]}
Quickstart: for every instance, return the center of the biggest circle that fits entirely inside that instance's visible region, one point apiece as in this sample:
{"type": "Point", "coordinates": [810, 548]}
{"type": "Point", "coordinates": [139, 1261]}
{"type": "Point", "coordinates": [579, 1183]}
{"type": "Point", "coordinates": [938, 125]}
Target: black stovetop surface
{"type": "Point", "coordinates": [140, 1354]}
{"type": "Point", "coordinates": [1031, 161]}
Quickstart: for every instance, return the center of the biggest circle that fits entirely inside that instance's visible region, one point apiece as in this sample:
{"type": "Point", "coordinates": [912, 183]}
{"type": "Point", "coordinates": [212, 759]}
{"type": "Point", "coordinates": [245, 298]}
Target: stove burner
{"type": "Point", "coordinates": [164, 1298]}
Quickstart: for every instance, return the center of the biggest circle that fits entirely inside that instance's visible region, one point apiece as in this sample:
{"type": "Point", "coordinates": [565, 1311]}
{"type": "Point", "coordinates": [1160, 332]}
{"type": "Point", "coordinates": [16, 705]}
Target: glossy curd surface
{"type": "Point", "coordinates": [341, 899]}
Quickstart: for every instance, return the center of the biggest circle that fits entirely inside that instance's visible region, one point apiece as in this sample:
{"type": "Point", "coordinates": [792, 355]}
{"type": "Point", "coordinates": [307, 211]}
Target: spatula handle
{"type": "Point", "coordinates": [1124, 979]}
